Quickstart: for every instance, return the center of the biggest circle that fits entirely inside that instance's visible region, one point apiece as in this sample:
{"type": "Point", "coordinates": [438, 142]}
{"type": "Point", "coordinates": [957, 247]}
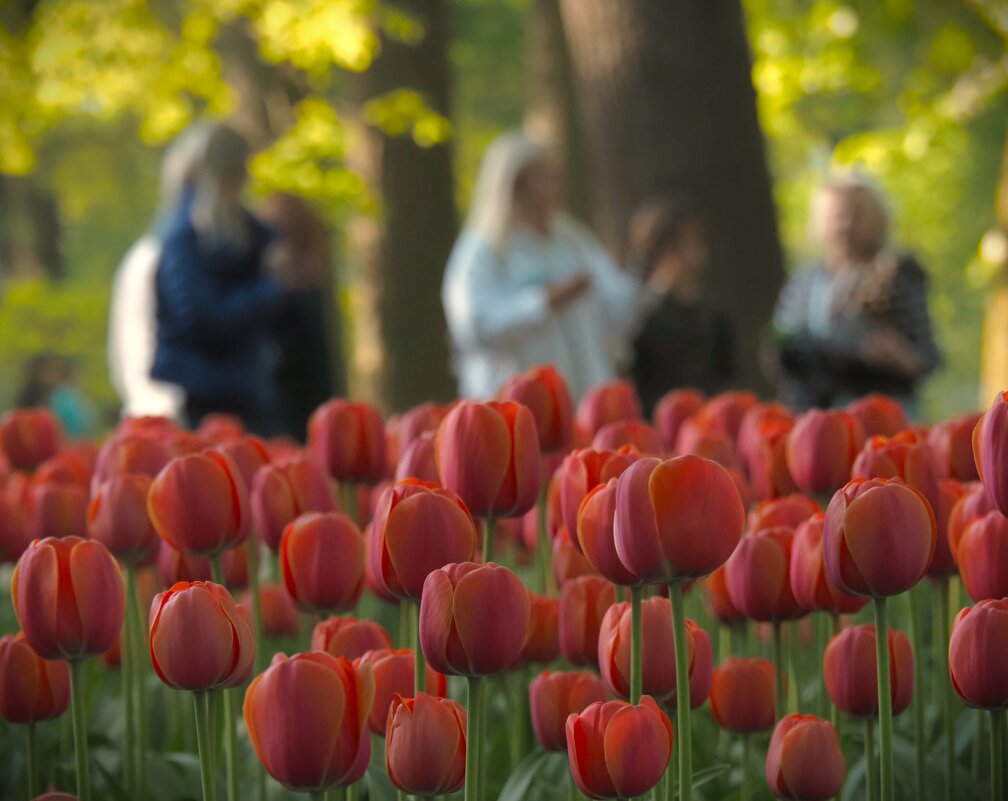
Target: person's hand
{"type": "Point", "coordinates": [887, 348]}
{"type": "Point", "coordinates": [561, 293]}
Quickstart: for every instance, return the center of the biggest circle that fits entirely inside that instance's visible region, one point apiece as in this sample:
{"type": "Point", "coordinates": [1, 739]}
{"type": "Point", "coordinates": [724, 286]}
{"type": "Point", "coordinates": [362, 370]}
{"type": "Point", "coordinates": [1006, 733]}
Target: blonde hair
{"type": "Point", "coordinates": [221, 220]}
{"type": "Point", "coordinates": [853, 185]}
{"type": "Point", "coordinates": [178, 166]}
{"type": "Point", "coordinates": [492, 213]}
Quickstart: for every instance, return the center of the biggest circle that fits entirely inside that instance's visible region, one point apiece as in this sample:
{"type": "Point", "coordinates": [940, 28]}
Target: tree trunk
{"type": "Point", "coordinates": [30, 229]}
{"type": "Point", "coordinates": [401, 255]}
{"type": "Point", "coordinates": [669, 107]}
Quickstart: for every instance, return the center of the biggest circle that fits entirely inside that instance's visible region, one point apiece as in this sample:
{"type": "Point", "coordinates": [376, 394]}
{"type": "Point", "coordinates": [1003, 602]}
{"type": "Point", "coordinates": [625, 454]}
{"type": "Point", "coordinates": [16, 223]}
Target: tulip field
{"type": "Point", "coordinates": [514, 599]}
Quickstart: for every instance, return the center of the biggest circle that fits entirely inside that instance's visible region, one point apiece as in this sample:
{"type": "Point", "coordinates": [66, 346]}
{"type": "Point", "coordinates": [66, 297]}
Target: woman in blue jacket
{"type": "Point", "coordinates": [217, 302]}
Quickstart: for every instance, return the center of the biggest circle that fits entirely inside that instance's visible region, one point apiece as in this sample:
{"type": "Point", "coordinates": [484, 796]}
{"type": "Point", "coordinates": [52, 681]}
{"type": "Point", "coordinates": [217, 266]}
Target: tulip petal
{"type": "Point", "coordinates": [637, 748]}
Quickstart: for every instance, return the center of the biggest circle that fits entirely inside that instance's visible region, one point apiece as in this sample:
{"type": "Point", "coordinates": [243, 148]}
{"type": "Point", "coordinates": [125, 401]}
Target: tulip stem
{"type": "Point", "coordinates": [780, 671]}
{"type": "Point", "coordinates": [351, 792]}
{"type": "Point", "coordinates": [79, 729]}
{"type": "Point", "coordinates": [913, 597]}
{"type": "Point", "coordinates": [472, 789]}
{"type": "Point", "coordinates": [793, 685]}
{"type": "Point", "coordinates": [349, 490]}
{"type": "Point", "coordinates": [230, 766]}
{"type": "Point", "coordinates": [871, 774]}
{"type": "Point", "coordinates": [682, 692]}
{"type": "Point", "coordinates": [407, 631]}
{"type": "Point", "coordinates": [252, 551]}
{"type": "Point", "coordinates": [316, 795]}
{"type": "Point", "coordinates": [636, 645]}
{"type": "Point", "coordinates": [997, 753]}
{"type": "Point", "coordinates": [419, 665]}
{"type": "Point", "coordinates": [834, 711]}
{"type": "Point", "coordinates": [201, 702]}
{"type": "Point", "coordinates": [885, 697]}
{"type": "Point", "coordinates": [948, 700]}
{"type": "Point", "coordinates": [126, 660]}
{"type": "Point", "coordinates": [139, 656]}
{"type": "Point", "coordinates": [217, 569]}
{"type": "Point", "coordinates": [489, 530]}
{"type": "Point", "coordinates": [544, 550]}
{"type": "Point", "coordinates": [33, 776]}
{"type": "Point", "coordinates": [746, 792]}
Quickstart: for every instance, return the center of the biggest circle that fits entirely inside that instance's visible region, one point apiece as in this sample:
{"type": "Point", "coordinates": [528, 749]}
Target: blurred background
{"type": "Point", "coordinates": [378, 114]}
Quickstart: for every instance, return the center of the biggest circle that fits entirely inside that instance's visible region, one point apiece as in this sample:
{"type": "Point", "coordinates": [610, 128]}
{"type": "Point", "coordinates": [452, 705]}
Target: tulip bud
{"type": "Point", "coordinates": [821, 449]}
{"type": "Point", "coordinates": [279, 615]}
{"type": "Point", "coordinates": [724, 412]}
{"type": "Point", "coordinates": [878, 538]}
{"type": "Point", "coordinates": [568, 562]}
{"type": "Point", "coordinates": [117, 518]}
{"type": "Point", "coordinates": [349, 637]}
{"type": "Point", "coordinates": [943, 562]}
{"type": "Point", "coordinates": [952, 444]}
{"type": "Point", "coordinates": [757, 575]}
{"type": "Point", "coordinates": [282, 492]}
{"type": "Point", "coordinates": [804, 761]}
{"type": "Point", "coordinates": [978, 660]}
{"type": "Point", "coordinates": [31, 688]}
{"type": "Point", "coordinates": [393, 675]}
{"type": "Point", "coordinates": [58, 510]}
{"type": "Point", "coordinates": [584, 602]}
{"type": "Point", "coordinates": [199, 638]}
{"type": "Point", "coordinates": [422, 419]}
{"type": "Point", "coordinates": [199, 504]}
{"type": "Point", "coordinates": [719, 602]}
{"type": "Point", "coordinates": [348, 440]}
{"type": "Point", "coordinates": [743, 693]}
{"type": "Point", "coordinates": [307, 720]}
{"type": "Point", "coordinates": [974, 504]}
{"type": "Point", "coordinates": [418, 527]}
{"type": "Point", "coordinates": [322, 562]}
{"type": "Point", "coordinates": [419, 461]}
{"type": "Point", "coordinates": [578, 474]}
{"type": "Point", "coordinates": [28, 437]}
{"type": "Point", "coordinates": [218, 427]}
{"type": "Point", "coordinates": [618, 750]}
{"type": "Point", "coordinates": [981, 555]}
{"type": "Point", "coordinates": [676, 519]}
{"type": "Point", "coordinates": [473, 619]}
{"type": "Point", "coordinates": [789, 511]}
{"type": "Point", "coordinates": [675, 408]}
{"type": "Point", "coordinates": [596, 534]}
{"type": "Point", "coordinates": [15, 535]}
{"type": "Point", "coordinates": [488, 454]}
{"type": "Point", "coordinates": [989, 449]}
{"type": "Point", "coordinates": [545, 393]}
{"type": "Point", "coordinates": [128, 454]}
{"type": "Point", "coordinates": [633, 434]}
{"type": "Point", "coordinates": [608, 403]}
{"type": "Point", "coordinates": [68, 597]}
{"type": "Point", "coordinates": [766, 459]}
{"type": "Point", "coordinates": [810, 584]}
{"type": "Point", "coordinates": [542, 644]}
{"type": "Point", "coordinates": [697, 437]}
{"type": "Point", "coordinates": [174, 566]}
{"type": "Point", "coordinates": [903, 456]}
{"type": "Point", "coordinates": [553, 697]}
{"type": "Point", "coordinates": [878, 415]}
{"type": "Point", "coordinates": [850, 675]}
{"type": "Point", "coordinates": [425, 745]}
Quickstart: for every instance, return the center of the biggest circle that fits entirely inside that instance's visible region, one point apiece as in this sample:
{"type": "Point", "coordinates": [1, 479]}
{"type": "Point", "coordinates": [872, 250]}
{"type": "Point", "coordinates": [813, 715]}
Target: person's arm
{"type": "Point", "coordinates": [911, 337]}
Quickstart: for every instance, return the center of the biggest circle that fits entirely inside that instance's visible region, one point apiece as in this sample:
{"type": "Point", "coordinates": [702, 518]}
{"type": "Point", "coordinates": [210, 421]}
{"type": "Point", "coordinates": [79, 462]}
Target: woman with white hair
{"type": "Point", "coordinates": [528, 285]}
{"type": "Point", "coordinates": [858, 322]}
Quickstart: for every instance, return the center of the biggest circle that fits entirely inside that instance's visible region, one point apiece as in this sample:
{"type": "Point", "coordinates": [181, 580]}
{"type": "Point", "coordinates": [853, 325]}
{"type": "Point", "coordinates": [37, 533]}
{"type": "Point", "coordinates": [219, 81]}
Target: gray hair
{"type": "Point", "coordinates": [179, 163]}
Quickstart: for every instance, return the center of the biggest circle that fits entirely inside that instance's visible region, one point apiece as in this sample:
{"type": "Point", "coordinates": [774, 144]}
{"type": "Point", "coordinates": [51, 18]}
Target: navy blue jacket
{"type": "Point", "coordinates": [215, 312]}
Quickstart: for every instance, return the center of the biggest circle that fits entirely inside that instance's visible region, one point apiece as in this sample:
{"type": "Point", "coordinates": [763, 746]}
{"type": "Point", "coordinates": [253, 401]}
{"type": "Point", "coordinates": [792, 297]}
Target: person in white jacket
{"type": "Point", "coordinates": [133, 305]}
{"type": "Point", "coordinates": [526, 284]}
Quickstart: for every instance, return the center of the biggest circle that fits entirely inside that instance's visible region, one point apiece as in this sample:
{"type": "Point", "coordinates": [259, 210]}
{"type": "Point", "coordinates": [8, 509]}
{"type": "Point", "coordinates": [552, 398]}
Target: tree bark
{"type": "Point", "coordinates": [401, 254]}
{"type": "Point", "coordinates": [665, 91]}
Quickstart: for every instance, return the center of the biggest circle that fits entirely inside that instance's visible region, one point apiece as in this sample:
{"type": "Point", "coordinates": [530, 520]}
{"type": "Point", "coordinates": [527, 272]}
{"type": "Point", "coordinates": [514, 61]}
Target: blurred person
{"type": "Point", "coordinates": [218, 300]}
{"type": "Point", "coordinates": [309, 367]}
{"type": "Point", "coordinates": [684, 341]}
{"type": "Point", "coordinates": [132, 314]}
{"type": "Point", "coordinates": [50, 382]}
{"type": "Point", "coordinates": [526, 284]}
{"type": "Point", "coordinates": [858, 322]}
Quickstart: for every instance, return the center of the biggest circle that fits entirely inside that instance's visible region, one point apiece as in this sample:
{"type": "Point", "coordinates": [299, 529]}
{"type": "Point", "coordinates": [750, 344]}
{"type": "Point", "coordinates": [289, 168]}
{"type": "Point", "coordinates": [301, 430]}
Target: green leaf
{"type": "Point", "coordinates": [518, 784]}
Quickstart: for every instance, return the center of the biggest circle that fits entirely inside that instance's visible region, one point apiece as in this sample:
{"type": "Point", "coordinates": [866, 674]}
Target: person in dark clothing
{"type": "Point", "coordinates": [859, 322]}
{"type": "Point", "coordinates": [684, 341]}
{"type": "Point", "coordinates": [309, 366]}
{"type": "Point", "coordinates": [217, 300]}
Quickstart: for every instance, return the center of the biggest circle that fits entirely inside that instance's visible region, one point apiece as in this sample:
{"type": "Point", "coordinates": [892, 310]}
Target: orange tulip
{"type": "Point", "coordinates": [584, 602]}
{"type": "Point", "coordinates": [349, 637]}
{"type": "Point", "coordinates": [545, 393]}
{"type": "Point", "coordinates": [978, 660]}
{"type": "Point", "coordinates": [553, 697]}
{"type": "Point", "coordinates": [982, 555]}
{"type": "Point", "coordinates": [488, 454]}
{"type": "Point", "coordinates": [608, 403]}
{"type": "Point", "coordinates": [31, 688]}
{"type": "Point", "coordinates": [904, 456]}
{"type": "Point", "coordinates": [742, 695]}
{"type": "Point", "coordinates": [760, 417]}
{"type": "Point", "coordinates": [672, 410]}
{"type": "Point", "coordinates": [199, 638]}
{"type": "Point", "coordinates": [348, 440]}
{"type": "Point", "coordinates": [474, 619]}
{"type": "Point", "coordinates": [821, 449]}
{"type": "Point", "coordinates": [542, 644]}
{"type": "Point", "coordinates": [393, 675]}
{"type": "Point", "coordinates": [878, 415]}
{"type": "Point", "coordinates": [758, 576]}
{"type": "Point", "coordinates": [117, 517]}
{"type": "Point", "coordinates": [307, 720]}
{"type": "Point", "coordinates": [199, 504]}
{"type": "Point", "coordinates": [850, 674]}
{"type": "Point", "coordinates": [322, 562]}
{"type": "Point", "coordinates": [952, 443]}
{"type": "Point", "coordinates": [283, 491]}
{"type": "Point", "coordinates": [804, 761]}
{"type": "Point", "coordinates": [28, 437]}
{"type": "Point", "coordinates": [811, 586]}
{"type": "Point", "coordinates": [68, 597]}
{"type": "Point", "coordinates": [596, 534]}
{"type": "Point", "coordinates": [617, 750]}
{"type": "Point", "coordinates": [425, 745]}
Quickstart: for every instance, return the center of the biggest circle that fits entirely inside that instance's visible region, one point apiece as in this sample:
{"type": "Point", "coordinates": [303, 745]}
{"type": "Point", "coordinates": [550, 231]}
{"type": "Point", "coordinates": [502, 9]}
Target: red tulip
{"type": "Point", "coordinates": [28, 437]}
{"type": "Point", "coordinates": [787, 511]}
{"type": "Point", "coordinates": [942, 562]}
{"type": "Point", "coordinates": [249, 454]}
{"type": "Point", "coordinates": [349, 637]}
{"type": "Point", "coordinates": [422, 419]}
{"type": "Point", "coordinates": [542, 645]}
{"type": "Point", "coordinates": [974, 504]}
{"type": "Point", "coordinates": [742, 695]}
{"type": "Point", "coordinates": [676, 519]}
{"type": "Point", "coordinates": [952, 443]}
{"type": "Point", "coordinates": [545, 393]}
{"type": "Point", "coordinates": [199, 504]}
{"type": "Point", "coordinates": [419, 527]}
{"type": "Point", "coordinates": [283, 491]}
{"type": "Point", "coordinates": [608, 403]}
{"type": "Point", "coordinates": [118, 519]}
{"type": "Point", "coordinates": [982, 555]}
{"type": "Point", "coordinates": [903, 456]}
{"type": "Point", "coordinates": [672, 410]}
{"type": "Point", "coordinates": [553, 697]}
{"type": "Point", "coordinates": [617, 750]}
{"type": "Point", "coordinates": [628, 433]}
{"type": "Point", "coordinates": [719, 602]}
{"type": "Point", "coordinates": [473, 619]}
{"type": "Point", "coordinates": [127, 454]}
{"type": "Point", "coordinates": [322, 562]}
{"type": "Point", "coordinates": [348, 440]}
{"type": "Point", "coordinates": [393, 675]}
{"type": "Point", "coordinates": [724, 413]}
{"type": "Point", "coordinates": [804, 761]}
{"type": "Point", "coordinates": [279, 615]}
{"type": "Point", "coordinates": [821, 449]}
{"type": "Point", "coordinates": [568, 562]}
{"type": "Point", "coordinates": [579, 473]}
{"type": "Point", "coordinates": [15, 535]}
{"type": "Point", "coordinates": [219, 427]}
{"type": "Point", "coordinates": [66, 467]}
{"type": "Point", "coordinates": [418, 460]}
{"type": "Point", "coordinates": [372, 570]}
{"type": "Point", "coordinates": [878, 538]}
{"type": "Point", "coordinates": [878, 415]}
{"type": "Point", "coordinates": [758, 576]}
{"type": "Point", "coordinates": [698, 438]}
{"type": "Point", "coordinates": [58, 510]}
{"type": "Point", "coordinates": [596, 534]}
{"type": "Point", "coordinates": [31, 688]}
{"type": "Point", "coordinates": [307, 720]}
{"type": "Point", "coordinates": [850, 674]}
{"type": "Point", "coordinates": [766, 460]}
{"type": "Point", "coordinates": [174, 566]}
{"type": "Point", "coordinates": [425, 745]}
{"type": "Point", "coordinates": [811, 586]}
{"type": "Point", "coordinates": [584, 602]}
{"type": "Point", "coordinates": [68, 597]}
{"type": "Point", "coordinates": [488, 454]}
{"type": "Point", "coordinates": [989, 449]}
{"type": "Point", "coordinates": [978, 660]}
